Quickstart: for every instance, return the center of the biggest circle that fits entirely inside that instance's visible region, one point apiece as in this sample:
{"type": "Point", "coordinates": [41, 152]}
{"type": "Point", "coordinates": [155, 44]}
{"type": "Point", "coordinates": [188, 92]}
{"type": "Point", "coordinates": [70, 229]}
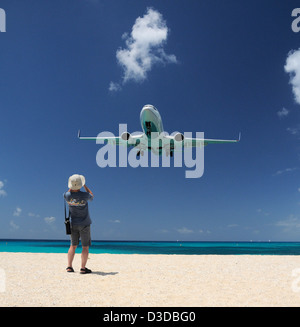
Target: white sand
{"type": "Point", "coordinates": [37, 279]}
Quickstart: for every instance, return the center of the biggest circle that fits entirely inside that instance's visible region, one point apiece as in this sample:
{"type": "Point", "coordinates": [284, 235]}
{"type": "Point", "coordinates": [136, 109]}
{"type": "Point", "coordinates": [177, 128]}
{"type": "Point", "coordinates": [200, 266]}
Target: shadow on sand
{"type": "Point", "coordinates": [100, 273]}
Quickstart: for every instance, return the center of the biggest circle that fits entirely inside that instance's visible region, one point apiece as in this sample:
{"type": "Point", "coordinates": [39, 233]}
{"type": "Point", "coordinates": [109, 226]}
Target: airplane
{"type": "Point", "coordinates": [152, 126]}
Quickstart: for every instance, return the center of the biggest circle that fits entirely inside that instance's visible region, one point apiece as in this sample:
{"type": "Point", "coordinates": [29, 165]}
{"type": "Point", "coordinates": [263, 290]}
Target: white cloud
{"type": "Point", "coordinates": [294, 130]}
{"type": "Point", "coordinates": [201, 231]}
{"type": "Point", "coordinates": [114, 87]}
{"type": "Point", "coordinates": [289, 223]}
{"type": "Point", "coordinates": [144, 48]}
{"type": "Point", "coordinates": [282, 113]}
{"type": "Point", "coordinates": [184, 230]}
{"type": "Point", "coordinates": [116, 221]}
{"type": "Point", "coordinates": [232, 225]}
{"type": "Point", "coordinates": [31, 214]}
{"type": "Point", "coordinates": [17, 212]}
{"type": "Point", "coordinates": [163, 231]}
{"type": "Point", "coordinates": [292, 67]}
{"type": "Point", "coordinates": [13, 225]}
{"type": "Point", "coordinates": [262, 212]}
{"type": "Point", "coordinates": [287, 170]}
{"type": "Point", "coordinates": [2, 192]}
{"type": "Point", "coordinates": [49, 220]}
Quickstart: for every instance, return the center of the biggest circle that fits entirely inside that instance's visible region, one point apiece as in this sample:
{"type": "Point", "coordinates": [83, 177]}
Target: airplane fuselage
{"type": "Point", "coordinates": [151, 121]}
{"type": "Point", "coordinates": [152, 126]}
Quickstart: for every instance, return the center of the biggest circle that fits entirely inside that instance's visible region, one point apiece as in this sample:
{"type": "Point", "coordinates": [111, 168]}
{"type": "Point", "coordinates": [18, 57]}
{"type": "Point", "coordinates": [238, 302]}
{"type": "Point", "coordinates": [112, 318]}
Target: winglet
{"type": "Point", "coordinates": [239, 136]}
{"type": "Point", "coordinates": [79, 133]}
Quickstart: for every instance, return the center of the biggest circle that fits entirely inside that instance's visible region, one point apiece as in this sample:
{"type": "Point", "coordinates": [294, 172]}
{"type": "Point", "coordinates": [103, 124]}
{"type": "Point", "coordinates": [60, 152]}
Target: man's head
{"type": "Point", "coordinates": [76, 182]}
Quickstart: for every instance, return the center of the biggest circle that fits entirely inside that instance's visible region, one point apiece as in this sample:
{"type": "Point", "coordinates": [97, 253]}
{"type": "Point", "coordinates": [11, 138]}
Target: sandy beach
{"type": "Point", "coordinates": [39, 279]}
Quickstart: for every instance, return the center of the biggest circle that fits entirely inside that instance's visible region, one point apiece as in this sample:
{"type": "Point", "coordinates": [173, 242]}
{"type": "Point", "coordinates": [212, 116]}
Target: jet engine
{"type": "Point", "coordinates": [125, 136]}
{"type": "Point", "coordinates": [178, 137]}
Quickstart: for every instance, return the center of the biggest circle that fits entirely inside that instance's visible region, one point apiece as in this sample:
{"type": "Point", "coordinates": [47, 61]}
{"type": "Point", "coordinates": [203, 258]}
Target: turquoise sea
{"type": "Point", "coordinates": [131, 247]}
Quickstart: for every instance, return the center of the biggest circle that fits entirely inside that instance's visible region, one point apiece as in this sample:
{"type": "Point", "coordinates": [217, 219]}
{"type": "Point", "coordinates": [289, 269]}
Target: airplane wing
{"type": "Point", "coordinates": [141, 141]}
{"type": "Point", "coordinates": [194, 142]}
{"type": "Point", "coordinates": [131, 140]}
{"type": "Point", "coordinates": [189, 142]}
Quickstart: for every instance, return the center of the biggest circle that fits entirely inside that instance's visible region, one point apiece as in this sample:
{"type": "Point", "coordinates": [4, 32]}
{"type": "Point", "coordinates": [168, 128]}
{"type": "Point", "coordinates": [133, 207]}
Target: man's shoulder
{"type": "Point", "coordinates": [78, 195]}
{"type": "Point", "coordinates": [66, 195]}
{"type": "Point", "coordinates": [81, 195]}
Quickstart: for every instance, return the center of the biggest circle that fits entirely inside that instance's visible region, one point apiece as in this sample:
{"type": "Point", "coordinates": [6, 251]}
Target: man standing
{"type": "Point", "coordinates": [80, 220]}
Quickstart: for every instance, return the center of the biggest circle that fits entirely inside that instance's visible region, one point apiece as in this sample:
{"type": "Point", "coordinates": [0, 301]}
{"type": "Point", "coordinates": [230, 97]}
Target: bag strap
{"type": "Point", "coordinates": [65, 209]}
{"type": "Point", "coordinates": [66, 218]}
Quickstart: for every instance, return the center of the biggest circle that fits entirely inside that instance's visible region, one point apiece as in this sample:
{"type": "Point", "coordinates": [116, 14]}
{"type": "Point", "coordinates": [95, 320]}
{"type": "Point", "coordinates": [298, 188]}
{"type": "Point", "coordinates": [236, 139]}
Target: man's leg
{"type": "Point", "coordinates": [74, 243]}
{"type": "Point", "coordinates": [85, 235]}
{"type": "Point", "coordinates": [71, 254]}
{"type": "Point", "coordinates": [84, 256]}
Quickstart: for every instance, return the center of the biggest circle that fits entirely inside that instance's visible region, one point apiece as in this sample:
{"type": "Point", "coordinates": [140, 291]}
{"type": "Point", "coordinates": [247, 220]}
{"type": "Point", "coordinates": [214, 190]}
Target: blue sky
{"type": "Point", "coordinates": [223, 67]}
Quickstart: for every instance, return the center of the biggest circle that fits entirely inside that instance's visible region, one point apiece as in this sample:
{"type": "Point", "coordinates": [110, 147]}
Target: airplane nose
{"type": "Point", "coordinates": [148, 107]}
{"type": "Point", "coordinates": [147, 113]}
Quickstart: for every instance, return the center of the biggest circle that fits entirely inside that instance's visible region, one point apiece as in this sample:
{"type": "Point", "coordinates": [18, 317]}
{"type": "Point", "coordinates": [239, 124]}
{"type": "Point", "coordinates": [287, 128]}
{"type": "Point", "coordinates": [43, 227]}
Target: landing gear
{"type": "Point", "coordinates": [148, 127]}
{"type": "Point", "coordinates": [170, 153]}
{"type": "Point", "coordinates": [140, 152]}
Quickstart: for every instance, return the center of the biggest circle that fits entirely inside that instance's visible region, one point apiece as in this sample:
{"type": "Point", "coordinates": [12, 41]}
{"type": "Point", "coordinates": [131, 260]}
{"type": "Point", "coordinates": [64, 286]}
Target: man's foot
{"type": "Point", "coordinates": [85, 271]}
{"type": "Point", "coordinates": [70, 269]}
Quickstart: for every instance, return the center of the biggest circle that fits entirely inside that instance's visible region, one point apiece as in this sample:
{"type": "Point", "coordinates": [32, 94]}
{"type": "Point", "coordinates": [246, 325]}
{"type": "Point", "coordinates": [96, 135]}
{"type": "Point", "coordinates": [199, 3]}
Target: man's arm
{"type": "Point", "coordinates": [69, 190]}
{"type": "Point", "coordinates": [88, 190]}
